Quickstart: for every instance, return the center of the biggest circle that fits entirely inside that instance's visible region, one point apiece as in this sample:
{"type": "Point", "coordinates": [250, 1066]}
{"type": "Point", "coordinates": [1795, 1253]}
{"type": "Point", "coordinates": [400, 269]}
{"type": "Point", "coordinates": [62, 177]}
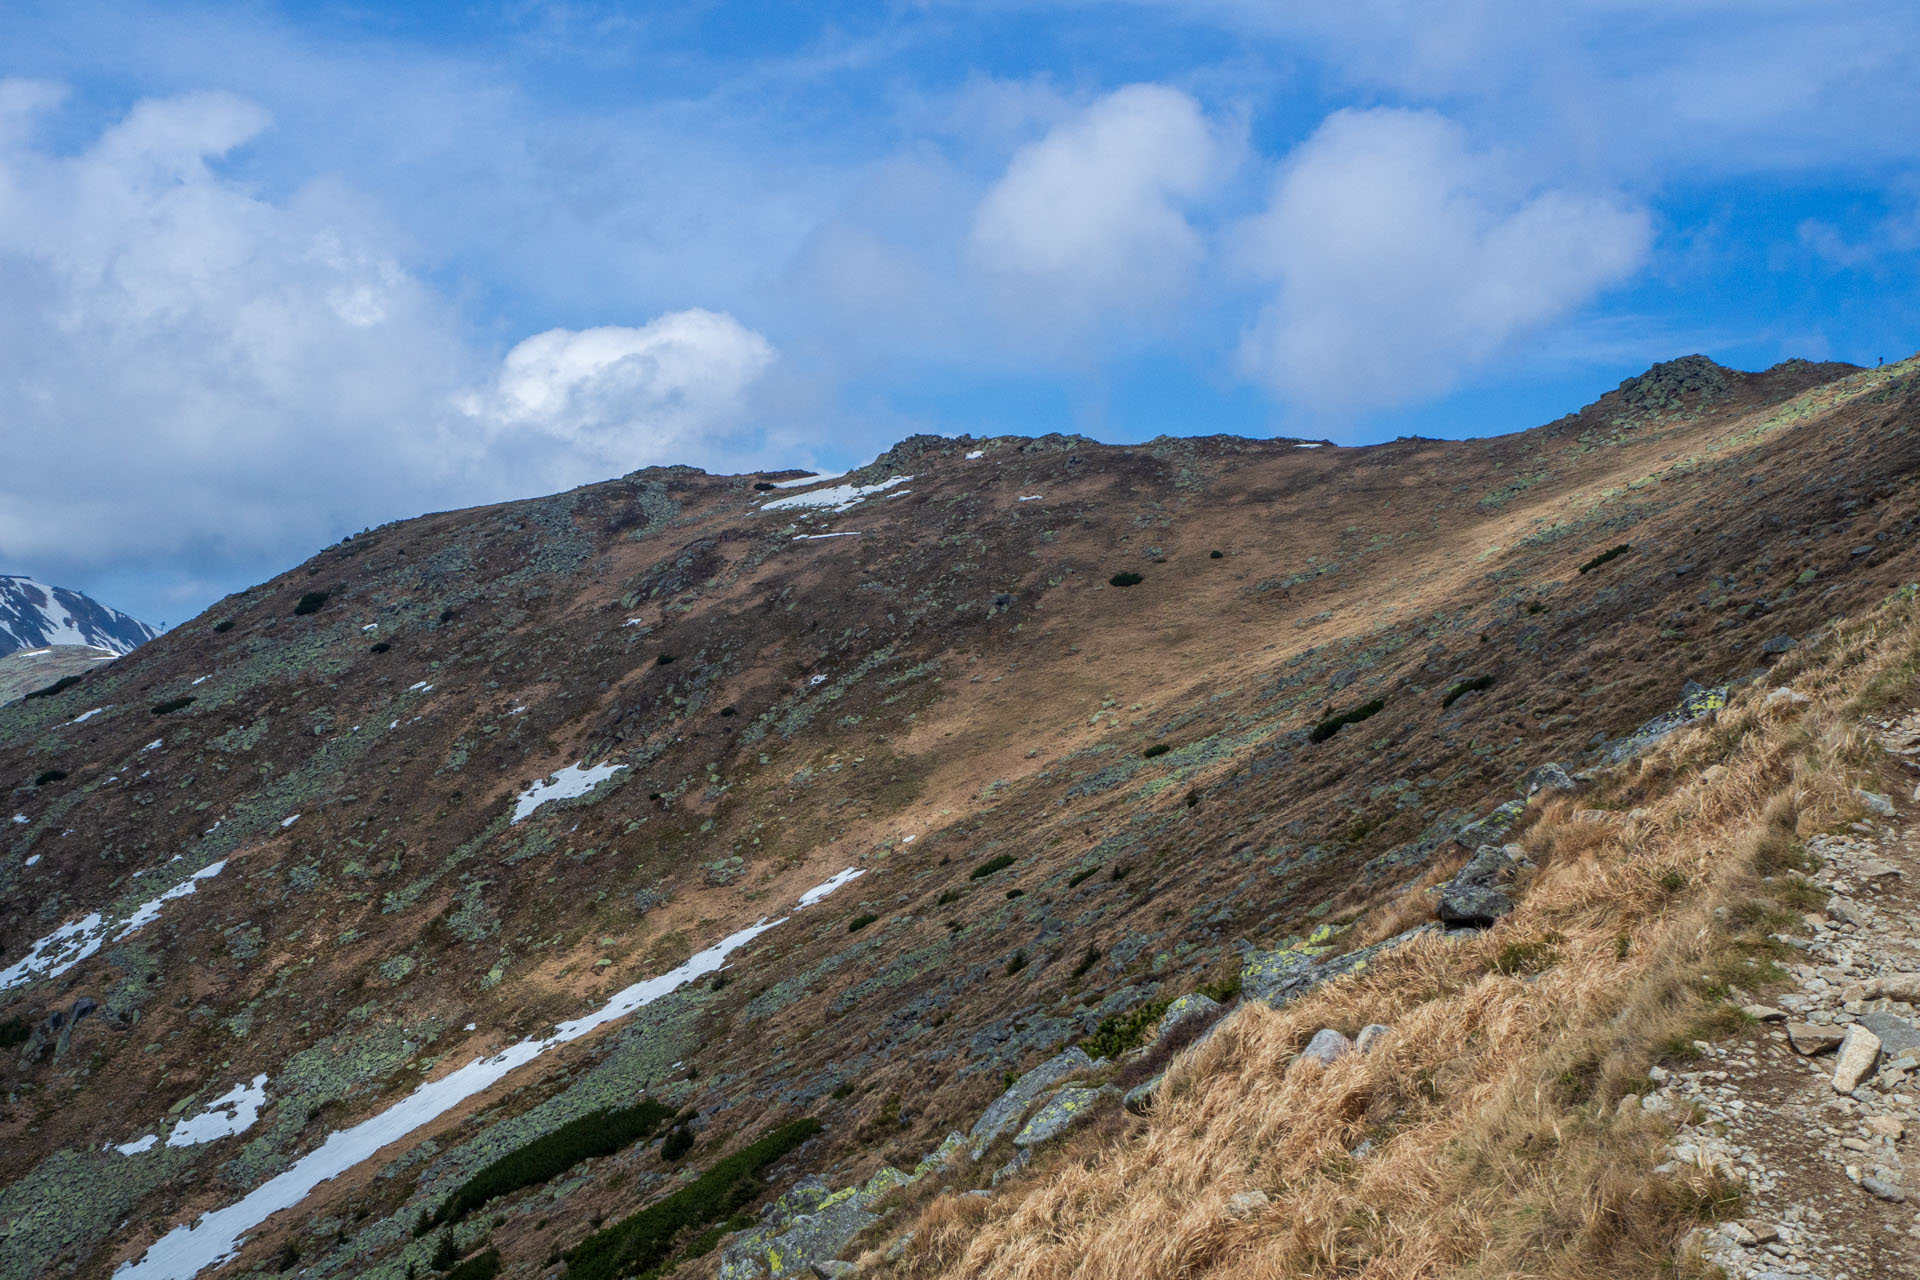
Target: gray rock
{"type": "Point", "coordinates": [898, 1249]}
{"type": "Point", "coordinates": [1877, 803]}
{"type": "Point", "coordinates": [1896, 1034]}
{"type": "Point", "coordinates": [1021, 1159]}
{"type": "Point", "coordinates": [1491, 829]}
{"type": "Point", "coordinates": [1809, 1038]}
{"type": "Point", "coordinates": [1326, 1047]}
{"type": "Point", "coordinates": [1005, 1111]}
{"type": "Point", "coordinates": [1188, 1008]}
{"type": "Point", "coordinates": [832, 1269]}
{"type": "Point", "coordinates": [1883, 1189]}
{"type": "Point", "coordinates": [1061, 1112]}
{"type": "Point", "coordinates": [1247, 1204]}
{"type": "Point", "coordinates": [1548, 777]}
{"type": "Point", "coordinates": [1782, 643]}
{"type": "Point", "coordinates": [1141, 1097]}
{"type": "Point", "coordinates": [1371, 1037]}
{"type": "Point", "coordinates": [1277, 977]}
{"type": "Point", "coordinates": [806, 1229]}
{"type": "Point", "coordinates": [1474, 896]}
{"type": "Point", "coordinates": [1695, 704]}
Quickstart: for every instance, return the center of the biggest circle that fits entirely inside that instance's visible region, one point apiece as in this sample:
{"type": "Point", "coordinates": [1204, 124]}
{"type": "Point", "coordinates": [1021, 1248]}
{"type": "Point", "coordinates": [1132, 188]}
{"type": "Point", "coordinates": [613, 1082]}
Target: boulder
{"type": "Point", "coordinates": [1140, 1098]}
{"type": "Point", "coordinates": [1190, 1007]}
{"type": "Point", "coordinates": [1371, 1037]}
{"type": "Point", "coordinates": [1695, 704]}
{"type": "Point", "coordinates": [1877, 803]}
{"type": "Point", "coordinates": [806, 1229]}
{"type": "Point", "coordinates": [1549, 778]}
{"type": "Point", "coordinates": [1895, 986]}
{"type": "Point", "coordinates": [1782, 643]}
{"type": "Point", "coordinates": [1809, 1039]}
{"type": "Point", "coordinates": [1327, 1047]}
{"type": "Point", "coordinates": [1859, 1050]}
{"type": "Point", "coordinates": [1491, 829]}
{"type": "Point", "coordinates": [1061, 1112]}
{"type": "Point", "coordinates": [1896, 1034]}
{"type": "Point", "coordinates": [1005, 1111]}
{"type": "Point", "coordinates": [1247, 1204]}
{"type": "Point", "coordinates": [1475, 895]}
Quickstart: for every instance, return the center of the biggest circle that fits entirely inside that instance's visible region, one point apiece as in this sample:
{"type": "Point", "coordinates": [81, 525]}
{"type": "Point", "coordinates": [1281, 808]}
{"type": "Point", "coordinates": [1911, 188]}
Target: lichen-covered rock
{"type": "Point", "coordinates": [1141, 1097]}
{"type": "Point", "coordinates": [1006, 1110]}
{"type": "Point", "coordinates": [1061, 1112]}
{"type": "Point", "coordinates": [806, 1229]}
{"type": "Point", "coordinates": [1491, 829]}
{"type": "Point", "coordinates": [1695, 704]}
{"type": "Point", "coordinates": [938, 1157]}
{"type": "Point", "coordinates": [1193, 1006]}
{"type": "Point", "coordinates": [1277, 977]}
{"type": "Point", "coordinates": [1371, 1037]}
{"type": "Point", "coordinates": [1547, 777]}
{"type": "Point", "coordinates": [1327, 1047]}
{"type": "Point", "coordinates": [1476, 897]}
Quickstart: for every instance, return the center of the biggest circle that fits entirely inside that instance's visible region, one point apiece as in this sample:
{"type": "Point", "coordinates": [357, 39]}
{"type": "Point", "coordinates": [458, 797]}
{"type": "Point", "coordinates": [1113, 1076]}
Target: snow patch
{"type": "Point", "coordinates": [22, 818]}
{"type": "Point", "coordinates": [815, 537]}
{"type": "Point", "coordinates": [217, 1235]}
{"type": "Point", "coordinates": [138, 1145]}
{"type": "Point", "coordinates": [73, 942]}
{"type": "Point", "coordinates": [85, 716]}
{"type": "Point", "coordinates": [634, 622]}
{"type": "Point", "coordinates": [800, 482]}
{"type": "Point", "coordinates": [569, 783]}
{"type": "Point", "coordinates": [232, 1112]}
{"type": "Point", "coordinates": [289, 821]}
{"type": "Point", "coordinates": [200, 680]}
{"type": "Point", "coordinates": [155, 745]}
{"type": "Point", "coordinates": [420, 686]}
{"type": "Point", "coordinates": [1033, 497]}
{"type": "Point", "coordinates": [977, 453]}
{"type": "Point", "coordinates": [1306, 446]}
{"type": "Point", "coordinates": [33, 860]}
{"type": "Point", "coordinates": [840, 497]}
{"type": "Point", "coordinates": [371, 626]}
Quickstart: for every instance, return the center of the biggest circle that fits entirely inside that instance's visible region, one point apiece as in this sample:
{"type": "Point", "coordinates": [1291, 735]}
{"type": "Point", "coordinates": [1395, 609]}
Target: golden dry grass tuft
{"type": "Point", "coordinates": [1500, 1145]}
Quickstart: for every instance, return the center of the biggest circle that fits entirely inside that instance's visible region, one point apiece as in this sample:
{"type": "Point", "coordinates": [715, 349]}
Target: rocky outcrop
{"type": "Point", "coordinates": [1696, 703]}
{"type": "Point", "coordinates": [1006, 1110]}
{"type": "Point", "coordinates": [1278, 977]}
{"type": "Point", "coordinates": [1477, 895]}
{"type": "Point", "coordinates": [1061, 1112]}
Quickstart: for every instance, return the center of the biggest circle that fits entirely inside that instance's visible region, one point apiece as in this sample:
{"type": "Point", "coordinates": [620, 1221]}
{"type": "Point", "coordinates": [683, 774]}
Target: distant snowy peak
{"type": "Point", "coordinates": [34, 615]}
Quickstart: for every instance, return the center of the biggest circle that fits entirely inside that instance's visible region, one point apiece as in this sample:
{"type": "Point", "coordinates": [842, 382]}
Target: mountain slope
{"type": "Point", "coordinates": [34, 616]}
{"type": "Point", "coordinates": [457, 782]}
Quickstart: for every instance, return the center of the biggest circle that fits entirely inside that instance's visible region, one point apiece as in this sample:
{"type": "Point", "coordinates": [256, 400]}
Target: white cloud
{"type": "Point", "coordinates": [604, 401]}
{"type": "Point", "coordinates": [204, 383]}
{"type": "Point", "coordinates": [1091, 217]}
{"type": "Point", "coordinates": [1402, 258]}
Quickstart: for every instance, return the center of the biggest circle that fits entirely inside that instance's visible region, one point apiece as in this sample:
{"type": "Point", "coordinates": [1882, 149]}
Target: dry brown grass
{"type": "Point", "coordinates": [1500, 1147]}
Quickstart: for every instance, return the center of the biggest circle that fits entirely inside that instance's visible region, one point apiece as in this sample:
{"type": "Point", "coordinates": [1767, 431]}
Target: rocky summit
{"type": "Point", "coordinates": [698, 873]}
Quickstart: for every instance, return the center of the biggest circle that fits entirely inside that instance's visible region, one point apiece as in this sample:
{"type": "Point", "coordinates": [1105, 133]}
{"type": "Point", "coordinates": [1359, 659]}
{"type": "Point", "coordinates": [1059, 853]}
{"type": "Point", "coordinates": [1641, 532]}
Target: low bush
{"type": "Point", "coordinates": [1125, 579]}
{"type": "Point", "coordinates": [1333, 724]}
{"type": "Point", "coordinates": [1087, 961]}
{"type": "Point", "coordinates": [1611, 553]}
{"type": "Point", "coordinates": [1216, 555]}
{"type": "Point", "coordinates": [1465, 687]}
{"type": "Point", "coordinates": [64, 682]}
{"type": "Point", "coordinates": [1157, 749]}
{"type": "Point", "coordinates": [14, 1031]}
{"type": "Point", "coordinates": [598, 1133]}
{"type": "Point", "coordinates": [1074, 880]}
{"type": "Point", "coordinates": [1015, 893]}
{"type": "Point", "coordinates": [663, 659]}
{"type": "Point", "coordinates": [51, 775]}
{"type": "Point", "coordinates": [729, 711]}
{"type": "Point", "coordinates": [676, 1144]}
{"type": "Point", "coordinates": [949, 896]}
{"type": "Point", "coordinates": [481, 1266]}
{"type": "Point", "coordinates": [643, 1240]}
{"type": "Point", "coordinates": [1016, 962]}
{"type": "Point", "coordinates": [379, 647]}
{"type": "Point", "coordinates": [172, 705]}
{"type": "Point", "coordinates": [999, 862]}
{"type": "Point", "coordinates": [311, 602]}
{"type": "Point", "coordinates": [1124, 1031]}
{"type": "Point", "coordinates": [860, 922]}
{"type": "Point", "coordinates": [223, 626]}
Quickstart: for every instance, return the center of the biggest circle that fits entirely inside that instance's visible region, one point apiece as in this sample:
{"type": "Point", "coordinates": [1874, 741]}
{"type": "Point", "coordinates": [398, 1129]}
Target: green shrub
{"type": "Point", "coordinates": [311, 602]}
{"type": "Point", "coordinates": [999, 862]}
{"type": "Point", "coordinates": [1123, 1031]}
{"type": "Point", "coordinates": [223, 626]}
{"type": "Point", "coordinates": [1465, 687]}
{"type": "Point", "coordinates": [598, 1133]}
{"type": "Point", "coordinates": [860, 922]}
{"type": "Point", "coordinates": [1193, 797]}
{"type": "Point", "coordinates": [1611, 553]}
{"type": "Point", "coordinates": [64, 682]}
{"type": "Point", "coordinates": [676, 1144]}
{"type": "Point", "coordinates": [481, 1266]}
{"type": "Point", "coordinates": [1216, 555]}
{"type": "Point", "coordinates": [1157, 749]}
{"type": "Point", "coordinates": [1074, 880]}
{"type": "Point", "coordinates": [172, 705]}
{"type": "Point", "coordinates": [949, 896]}
{"type": "Point", "coordinates": [1087, 961]}
{"type": "Point", "coordinates": [729, 711]}
{"type": "Point", "coordinates": [644, 1239]}
{"type": "Point", "coordinates": [14, 1031]}
{"type": "Point", "coordinates": [1015, 893]}
{"type": "Point", "coordinates": [1016, 962]}
{"type": "Point", "coordinates": [663, 659]}
{"type": "Point", "coordinates": [1333, 724]}
{"type": "Point", "coordinates": [1119, 871]}
{"type": "Point", "coordinates": [379, 646]}
{"type": "Point", "coordinates": [1124, 579]}
{"type": "Point", "coordinates": [51, 775]}
{"type": "Point", "coordinates": [446, 1253]}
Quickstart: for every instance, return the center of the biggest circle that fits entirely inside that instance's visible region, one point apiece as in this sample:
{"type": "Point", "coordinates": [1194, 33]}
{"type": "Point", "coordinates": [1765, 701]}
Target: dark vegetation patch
{"type": "Point", "coordinates": [1125, 579]}
{"type": "Point", "coordinates": [1611, 553]}
{"type": "Point", "coordinates": [223, 626]}
{"type": "Point", "coordinates": [1216, 555]}
{"type": "Point", "coordinates": [1115, 1035]}
{"type": "Point", "coordinates": [64, 682]}
{"type": "Point", "coordinates": [676, 1144]}
{"type": "Point", "coordinates": [311, 602]}
{"type": "Point", "coordinates": [598, 1133]}
{"type": "Point", "coordinates": [1074, 880]}
{"type": "Point", "coordinates": [1465, 687]}
{"type": "Point", "coordinates": [643, 1240]}
{"type": "Point", "coordinates": [1016, 962]}
{"type": "Point", "coordinates": [860, 922]}
{"type": "Point", "coordinates": [764, 485]}
{"type": "Point", "coordinates": [1333, 724]}
{"type": "Point", "coordinates": [172, 705]}
{"type": "Point", "coordinates": [1016, 893]}
{"type": "Point", "coordinates": [14, 1031]}
{"type": "Point", "coordinates": [1087, 961]}
{"type": "Point", "coordinates": [999, 862]}
{"type": "Point", "coordinates": [481, 1266]}
{"type": "Point", "coordinates": [1157, 749]}
{"type": "Point", "coordinates": [51, 775]}
{"type": "Point", "coordinates": [379, 647]}
{"type": "Point", "coordinates": [729, 711]}
{"type": "Point", "coordinates": [664, 659]}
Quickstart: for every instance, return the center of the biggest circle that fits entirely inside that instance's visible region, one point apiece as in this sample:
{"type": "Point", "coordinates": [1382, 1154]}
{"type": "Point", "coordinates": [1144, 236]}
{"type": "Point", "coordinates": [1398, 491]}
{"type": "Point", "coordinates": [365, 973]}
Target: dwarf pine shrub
{"type": "Point", "coordinates": [1157, 749]}
{"type": "Point", "coordinates": [1333, 724]}
{"type": "Point", "coordinates": [1611, 553]}
{"type": "Point", "coordinates": [1115, 1035]}
{"type": "Point", "coordinates": [641, 1241]}
{"type": "Point", "coordinates": [1125, 579]}
{"type": "Point", "coordinates": [311, 602]}
{"type": "Point", "coordinates": [1074, 880]}
{"type": "Point", "coordinates": [860, 922]}
{"type": "Point", "coordinates": [598, 1133]}
{"type": "Point", "coordinates": [64, 682]}
{"type": "Point", "coordinates": [223, 626]}
{"type": "Point", "coordinates": [172, 705]}
{"type": "Point", "coordinates": [481, 1266]}
{"type": "Point", "coordinates": [998, 862]}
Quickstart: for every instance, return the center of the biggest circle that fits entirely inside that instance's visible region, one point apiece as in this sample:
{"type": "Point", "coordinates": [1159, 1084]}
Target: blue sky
{"type": "Point", "coordinates": [278, 272]}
